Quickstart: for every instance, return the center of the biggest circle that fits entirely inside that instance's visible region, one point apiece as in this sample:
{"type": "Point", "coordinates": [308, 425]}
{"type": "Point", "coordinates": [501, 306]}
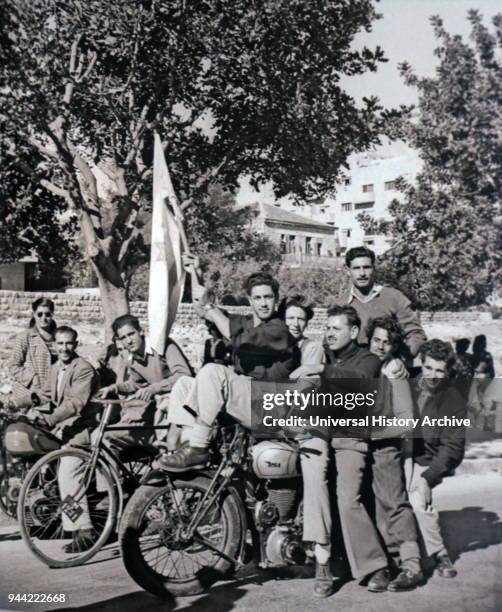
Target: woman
{"type": "Point", "coordinates": [32, 351]}
{"type": "Point", "coordinates": [296, 313]}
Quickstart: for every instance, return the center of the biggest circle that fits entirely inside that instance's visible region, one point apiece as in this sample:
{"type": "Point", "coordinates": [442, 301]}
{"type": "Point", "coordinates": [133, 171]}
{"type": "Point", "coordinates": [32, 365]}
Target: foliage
{"type": "Point", "coordinates": [234, 87]}
{"type": "Point", "coordinates": [321, 286]}
{"type": "Point", "coordinates": [30, 217]}
{"type": "Point", "coordinates": [447, 229]}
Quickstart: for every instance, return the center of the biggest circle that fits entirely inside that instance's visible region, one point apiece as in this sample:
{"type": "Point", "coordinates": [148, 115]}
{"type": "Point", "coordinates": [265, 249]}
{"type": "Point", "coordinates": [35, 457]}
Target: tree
{"type": "Point", "coordinates": [447, 230]}
{"type": "Point", "coordinates": [30, 217]}
{"type": "Point", "coordinates": [233, 87]}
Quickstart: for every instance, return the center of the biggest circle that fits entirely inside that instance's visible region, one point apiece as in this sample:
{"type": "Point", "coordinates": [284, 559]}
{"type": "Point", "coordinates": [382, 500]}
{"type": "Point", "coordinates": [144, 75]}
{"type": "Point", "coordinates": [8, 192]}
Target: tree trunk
{"type": "Point", "coordinates": [114, 301]}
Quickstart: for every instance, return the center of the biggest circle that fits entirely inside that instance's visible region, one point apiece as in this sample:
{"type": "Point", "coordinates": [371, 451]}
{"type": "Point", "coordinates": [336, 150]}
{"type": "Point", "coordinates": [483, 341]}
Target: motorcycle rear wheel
{"type": "Point", "coordinates": [157, 560]}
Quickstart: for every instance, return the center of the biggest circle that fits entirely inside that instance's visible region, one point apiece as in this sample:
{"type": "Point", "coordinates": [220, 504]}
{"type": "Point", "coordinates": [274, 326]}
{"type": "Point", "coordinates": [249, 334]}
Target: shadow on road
{"type": "Point", "coordinates": [11, 536]}
{"type": "Point", "coordinates": [221, 597]}
{"type": "Point", "coordinates": [471, 528]}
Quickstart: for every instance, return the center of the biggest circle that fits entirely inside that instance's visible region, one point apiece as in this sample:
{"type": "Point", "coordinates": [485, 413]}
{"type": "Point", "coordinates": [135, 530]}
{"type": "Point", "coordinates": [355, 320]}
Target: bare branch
{"type": "Point", "coordinates": [206, 178]}
{"type": "Point", "coordinates": [43, 150]}
{"type": "Point", "coordinates": [88, 70]}
{"type": "Point", "coordinates": [59, 191]}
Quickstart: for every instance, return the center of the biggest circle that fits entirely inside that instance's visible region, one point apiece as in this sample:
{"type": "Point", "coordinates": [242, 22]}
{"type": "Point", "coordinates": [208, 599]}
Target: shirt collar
{"type": "Point", "coordinates": [347, 351]}
{"type": "Point", "coordinates": [364, 299]}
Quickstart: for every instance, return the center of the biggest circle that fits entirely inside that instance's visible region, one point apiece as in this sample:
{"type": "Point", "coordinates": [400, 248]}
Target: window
{"type": "Point", "coordinates": [368, 188]}
{"type": "Point", "coordinates": [323, 211]}
{"type": "Point", "coordinates": [308, 245]}
{"type": "Point", "coordinates": [347, 206]}
{"type": "Point", "coordinates": [347, 232]}
{"type": "Point", "coordinates": [318, 247]}
{"type": "Point", "coordinates": [346, 181]}
{"type": "Point", "coordinates": [389, 185]}
{"type": "Point", "coordinates": [364, 205]}
{"type": "Point", "coordinates": [369, 242]}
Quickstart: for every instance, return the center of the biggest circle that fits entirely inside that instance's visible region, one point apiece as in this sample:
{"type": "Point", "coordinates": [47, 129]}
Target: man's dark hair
{"type": "Point", "coordinates": [126, 319]}
{"type": "Point", "coordinates": [361, 251]}
{"type": "Point", "coordinates": [392, 327]}
{"type": "Point", "coordinates": [438, 350]}
{"type": "Point", "coordinates": [348, 311]}
{"type": "Point", "coordinates": [65, 329]}
{"type": "Point", "coordinates": [299, 301]}
{"type": "Point", "coordinates": [260, 278]}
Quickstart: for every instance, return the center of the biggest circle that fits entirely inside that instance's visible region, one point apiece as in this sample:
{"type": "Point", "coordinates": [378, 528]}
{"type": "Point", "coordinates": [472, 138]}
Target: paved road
{"type": "Point", "coordinates": [471, 515]}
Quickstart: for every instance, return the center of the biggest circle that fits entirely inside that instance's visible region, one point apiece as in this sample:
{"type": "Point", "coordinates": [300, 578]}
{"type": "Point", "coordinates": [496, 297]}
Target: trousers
{"type": "Point", "coordinates": [427, 518]}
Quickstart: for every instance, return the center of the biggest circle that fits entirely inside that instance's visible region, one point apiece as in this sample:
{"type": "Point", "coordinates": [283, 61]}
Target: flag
{"type": "Point", "coordinates": [168, 243]}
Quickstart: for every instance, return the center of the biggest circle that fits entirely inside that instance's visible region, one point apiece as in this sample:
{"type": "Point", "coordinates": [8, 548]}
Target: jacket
{"type": "Point", "coordinates": [266, 351]}
{"type": "Point", "coordinates": [70, 411]}
{"type": "Point", "coordinates": [439, 448]}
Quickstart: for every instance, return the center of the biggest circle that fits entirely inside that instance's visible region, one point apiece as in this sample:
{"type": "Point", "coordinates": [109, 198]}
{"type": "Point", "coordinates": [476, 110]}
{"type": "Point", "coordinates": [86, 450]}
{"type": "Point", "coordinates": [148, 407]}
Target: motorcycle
{"type": "Point", "coordinates": [181, 532]}
{"type": "Point", "coordinates": [22, 443]}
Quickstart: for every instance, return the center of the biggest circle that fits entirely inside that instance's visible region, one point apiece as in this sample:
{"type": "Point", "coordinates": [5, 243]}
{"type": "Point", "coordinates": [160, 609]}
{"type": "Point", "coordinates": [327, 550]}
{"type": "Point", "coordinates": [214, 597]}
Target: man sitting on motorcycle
{"type": "Point", "coordinates": [262, 349]}
{"type": "Point", "coordinates": [64, 402]}
{"type": "Point", "coordinates": [142, 375]}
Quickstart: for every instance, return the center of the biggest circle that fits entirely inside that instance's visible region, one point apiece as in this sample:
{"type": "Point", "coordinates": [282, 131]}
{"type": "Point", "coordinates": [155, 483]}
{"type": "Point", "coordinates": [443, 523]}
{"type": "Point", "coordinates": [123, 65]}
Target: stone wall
{"type": "Point", "coordinates": [15, 306]}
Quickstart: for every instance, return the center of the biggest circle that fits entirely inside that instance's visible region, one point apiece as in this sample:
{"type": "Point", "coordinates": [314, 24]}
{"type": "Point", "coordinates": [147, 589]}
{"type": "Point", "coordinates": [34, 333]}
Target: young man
{"type": "Point", "coordinates": [371, 300]}
{"type": "Point", "coordinates": [347, 360]}
{"type": "Point", "coordinates": [385, 338]}
{"type": "Point", "coordinates": [437, 450]}
{"type": "Point", "coordinates": [142, 377]}
{"type": "Point", "coordinates": [67, 391]}
{"type": "Point", "coordinates": [262, 349]}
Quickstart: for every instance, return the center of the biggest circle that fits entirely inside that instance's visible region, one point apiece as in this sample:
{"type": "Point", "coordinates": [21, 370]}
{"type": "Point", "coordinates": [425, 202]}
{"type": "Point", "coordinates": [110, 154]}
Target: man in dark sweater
{"type": "Point", "coordinates": [262, 349]}
{"type": "Point", "coordinates": [436, 449]}
{"type": "Point", "coordinates": [372, 300]}
{"type": "Point", "coordinates": [350, 364]}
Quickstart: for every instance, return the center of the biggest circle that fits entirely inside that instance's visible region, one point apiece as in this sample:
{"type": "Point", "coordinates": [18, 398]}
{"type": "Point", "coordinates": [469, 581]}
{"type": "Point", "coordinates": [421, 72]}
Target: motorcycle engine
{"type": "Point", "coordinates": [276, 519]}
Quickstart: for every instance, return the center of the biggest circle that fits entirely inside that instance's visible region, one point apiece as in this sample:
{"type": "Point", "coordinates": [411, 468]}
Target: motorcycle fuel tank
{"type": "Point", "coordinates": [274, 459]}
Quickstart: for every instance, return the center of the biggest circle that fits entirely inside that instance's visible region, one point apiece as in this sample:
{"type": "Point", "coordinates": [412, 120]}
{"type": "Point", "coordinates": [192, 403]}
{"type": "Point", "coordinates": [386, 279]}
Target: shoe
{"type": "Point", "coordinates": [444, 567]}
{"type": "Point", "coordinates": [406, 580]}
{"type": "Point", "coordinates": [379, 581]}
{"type": "Point", "coordinates": [83, 540]}
{"type": "Point", "coordinates": [185, 458]}
{"type": "Point", "coordinates": [323, 586]}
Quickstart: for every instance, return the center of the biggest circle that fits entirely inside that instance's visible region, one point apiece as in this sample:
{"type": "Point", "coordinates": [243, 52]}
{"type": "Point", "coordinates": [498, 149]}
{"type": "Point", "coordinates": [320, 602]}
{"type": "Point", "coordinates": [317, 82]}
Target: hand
{"type": "Point", "coordinates": [425, 492]}
{"type": "Point", "coordinates": [191, 263]}
{"type": "Point", "coordinates": [395, 369]}
{"type": "Point", "coordinates": [307, 370]}
{"type": "Point", "coordinates": [107, 391]}
{"type": "Point", "coordinates": [36, 417]}
{"type": "Point", "coordinates": [144, 395]}
{"type": "Point", "coordinates": [200, 295]}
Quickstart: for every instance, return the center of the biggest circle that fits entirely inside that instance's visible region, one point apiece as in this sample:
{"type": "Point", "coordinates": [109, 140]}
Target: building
{"type": "Point", "coordinates": [17, 276]}
{"type": "Point", "coordinates": [369, 187]}
{"type": "Point", "coordinates": [301, 239]}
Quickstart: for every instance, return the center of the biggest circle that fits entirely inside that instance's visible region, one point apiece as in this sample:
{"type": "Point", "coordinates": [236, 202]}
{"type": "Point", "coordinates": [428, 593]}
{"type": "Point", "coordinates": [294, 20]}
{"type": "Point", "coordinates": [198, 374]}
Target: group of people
{"type": "Point", "coordinates": [372, 335]}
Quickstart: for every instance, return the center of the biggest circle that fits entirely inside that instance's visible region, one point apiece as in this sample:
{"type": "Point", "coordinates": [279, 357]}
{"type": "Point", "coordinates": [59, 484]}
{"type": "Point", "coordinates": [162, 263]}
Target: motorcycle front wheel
{"type": "Point", "coordinates": [157, 554]}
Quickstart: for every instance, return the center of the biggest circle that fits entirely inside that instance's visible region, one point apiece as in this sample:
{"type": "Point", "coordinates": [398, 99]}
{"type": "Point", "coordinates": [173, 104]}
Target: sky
{"type": "Point", "coordinates": [405, 34]}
